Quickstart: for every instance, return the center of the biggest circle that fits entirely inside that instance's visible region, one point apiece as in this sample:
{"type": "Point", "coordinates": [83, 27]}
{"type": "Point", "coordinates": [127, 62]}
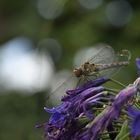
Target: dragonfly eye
{"type": "Point", "coordinates": [86, 62]}
{"type": "Point", "coordinates": [77, 72]}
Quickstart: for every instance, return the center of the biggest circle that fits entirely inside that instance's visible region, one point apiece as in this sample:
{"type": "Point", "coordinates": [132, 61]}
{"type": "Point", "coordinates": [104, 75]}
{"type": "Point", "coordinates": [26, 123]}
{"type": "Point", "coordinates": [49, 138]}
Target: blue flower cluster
{"type": "Point", "coordinates": [93, 112]}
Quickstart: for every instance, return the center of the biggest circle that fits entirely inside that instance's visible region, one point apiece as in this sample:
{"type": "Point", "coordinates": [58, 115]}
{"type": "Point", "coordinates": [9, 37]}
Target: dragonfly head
{"type": "Point", "coordinates": [77, 72]}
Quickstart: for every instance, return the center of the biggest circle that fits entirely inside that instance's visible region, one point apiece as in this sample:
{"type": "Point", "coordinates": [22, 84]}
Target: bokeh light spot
{"type": "Point", "coordinates": [90, 4]}
{"type": "Point", "coordinates": [119, 12]}
{"type": "Point", "coordinates": [22, 68]}
{"type": "Point", "coordinates": [50, 9]}
{"type": "Point", "coordinates": [52, 46]}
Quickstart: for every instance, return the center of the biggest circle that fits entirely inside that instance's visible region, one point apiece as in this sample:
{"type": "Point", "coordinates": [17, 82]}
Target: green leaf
{"type": "Point", "coordinates": [124, 133]}
{"type": "Point", "coordinates": [84, 120]}
{"type": "Point", "coordinates": [98, 116]}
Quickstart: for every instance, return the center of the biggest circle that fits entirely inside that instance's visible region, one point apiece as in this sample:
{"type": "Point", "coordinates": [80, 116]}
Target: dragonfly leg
{"type": "Point", "coordinates": [94, 75]}
{"type": "Point", "coordinates": [87, 78]}
{"type": "Point", "coordinates": [98, 74]}
{"type": "Point", "coordinates": [82, 78]}
{"type": "Point", "coordinates": [79, 81]}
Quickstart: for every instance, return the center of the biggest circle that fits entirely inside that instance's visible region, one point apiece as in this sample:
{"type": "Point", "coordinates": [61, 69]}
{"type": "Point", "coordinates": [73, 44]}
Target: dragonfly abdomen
{"type": "Point", "coordinates": [112, 65]}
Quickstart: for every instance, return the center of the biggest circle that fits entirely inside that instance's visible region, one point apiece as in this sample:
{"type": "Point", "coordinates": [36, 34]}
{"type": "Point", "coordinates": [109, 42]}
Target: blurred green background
{"type": "Point", "coordinates": [48, 34]}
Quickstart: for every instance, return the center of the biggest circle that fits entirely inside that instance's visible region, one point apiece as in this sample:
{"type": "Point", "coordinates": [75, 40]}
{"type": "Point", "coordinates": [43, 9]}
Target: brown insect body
{"type": "Point", "coordinates": [112, 65]}
{"type": "Point", "coordinates": [84, 69]}
{"type": "Point", "coordinates": [87, 67]}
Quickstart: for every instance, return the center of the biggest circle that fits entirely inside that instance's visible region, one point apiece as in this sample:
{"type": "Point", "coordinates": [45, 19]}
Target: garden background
{"type": "Point", "coordinates": [39, 42]}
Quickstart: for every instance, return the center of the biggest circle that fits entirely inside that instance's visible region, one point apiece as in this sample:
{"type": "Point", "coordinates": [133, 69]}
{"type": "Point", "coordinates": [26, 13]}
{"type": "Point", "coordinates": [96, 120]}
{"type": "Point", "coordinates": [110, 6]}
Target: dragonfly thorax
{"type": "Point", "coordinates": [77, 72]}
{"type": "Point", "coordinates": [88, 67]}
{"type": "Point", "coordinates": [84, 69]}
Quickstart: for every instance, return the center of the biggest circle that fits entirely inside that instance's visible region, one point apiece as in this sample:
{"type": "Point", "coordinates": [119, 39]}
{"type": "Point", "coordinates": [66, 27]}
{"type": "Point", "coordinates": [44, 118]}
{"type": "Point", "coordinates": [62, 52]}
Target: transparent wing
{"type": "Point", "coordinates": [60, 86]}
{"type": "Point", "coordinates": [99, 54]}
{"type": "Point", "coordinates": [102, 54]}
{"type": "Point", "coordinates": [122, 56]}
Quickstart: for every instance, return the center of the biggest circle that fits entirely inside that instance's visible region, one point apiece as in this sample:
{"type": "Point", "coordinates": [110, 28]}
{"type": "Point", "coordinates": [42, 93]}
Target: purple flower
{"type": "Point", "coordinates": [78, 116]}
{"type": "Point", "coordinates": [73, 107]}
{"type": "Point", "coordinates": [114, 111]}
{"type": "Point", "coordinates": [125, 95]}
{"type": "Point", "coordinates": [135, 124]}
{"type": "Point", "coordinates": [59, 115]}
{"type": "Point", "coordinates": [111, 113]}
{"type": "Point", "coordinates": [64, 120]}
{"type": "Point", "coordinates": [138, 65]}
{"type": "Point", "coordinates": [89, 84]}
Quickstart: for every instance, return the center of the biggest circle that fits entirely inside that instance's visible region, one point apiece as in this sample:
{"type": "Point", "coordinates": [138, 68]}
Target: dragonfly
{"type": "Point", "coordinates": [104, 59]}
{"type": "Point", "coordinates": [99, 61]}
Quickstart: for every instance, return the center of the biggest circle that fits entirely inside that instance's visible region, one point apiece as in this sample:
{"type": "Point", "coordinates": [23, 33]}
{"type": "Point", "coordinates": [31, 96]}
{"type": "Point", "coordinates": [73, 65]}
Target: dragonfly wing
{"type": "Point", "coordinates": [60, 87]}
{"type": "Point", "coordinates": [110, 57]}
{"type": "Point", "coordinates": [102, 54]}
{"type": "Point", "coordinates": [123, 55]}
{"type": "Point", "coordinates": [109, 72]}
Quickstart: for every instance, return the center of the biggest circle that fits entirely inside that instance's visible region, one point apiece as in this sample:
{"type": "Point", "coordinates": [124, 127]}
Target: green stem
{"type": "Point", "coordinates": [112, 90]}
{"type": "Point", "coordinates": [117, 82]}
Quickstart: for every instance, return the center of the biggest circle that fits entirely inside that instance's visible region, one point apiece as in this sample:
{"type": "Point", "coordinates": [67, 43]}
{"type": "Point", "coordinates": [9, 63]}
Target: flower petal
{"type": "Point", "coordinates": [92, 83]}
{"type": "Point", "coordinates": [135, 124]}
{"type": "Point", "coordinates": [138, 65]}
